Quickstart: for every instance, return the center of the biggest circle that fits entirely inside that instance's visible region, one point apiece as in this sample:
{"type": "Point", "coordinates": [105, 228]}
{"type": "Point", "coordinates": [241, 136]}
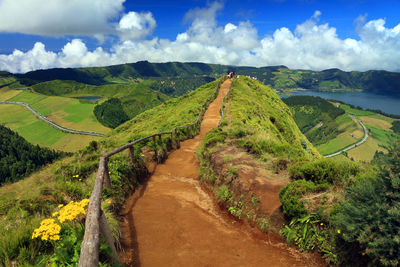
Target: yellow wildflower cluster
{"type": "Point", "coordinates": [76, 176]}
{"type": "Point", "coordinates": [71, 210]}
{"type": "Point", "coordinates": [48, 229]}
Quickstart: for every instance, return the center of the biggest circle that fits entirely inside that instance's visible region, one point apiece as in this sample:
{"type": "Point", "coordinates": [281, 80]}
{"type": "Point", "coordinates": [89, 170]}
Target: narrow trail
{"type": "Point", "coordinates": [172, 221]}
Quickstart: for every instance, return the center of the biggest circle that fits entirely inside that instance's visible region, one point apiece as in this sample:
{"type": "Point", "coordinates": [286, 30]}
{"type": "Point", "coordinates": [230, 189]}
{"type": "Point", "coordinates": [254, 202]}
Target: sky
{"type": "Point", "coordinates": [303, 34]}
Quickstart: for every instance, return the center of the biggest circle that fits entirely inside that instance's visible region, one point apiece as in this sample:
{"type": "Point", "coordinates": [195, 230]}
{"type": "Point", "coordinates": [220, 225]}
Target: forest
{"type": "Point", "coordinates": [19, 158]}
{"type": "Point", "coordinates": [309, 111]}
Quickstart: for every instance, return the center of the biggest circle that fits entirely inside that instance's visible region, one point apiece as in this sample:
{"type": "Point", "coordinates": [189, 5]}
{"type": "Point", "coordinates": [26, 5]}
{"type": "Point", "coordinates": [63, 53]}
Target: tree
{"type": "Point", "coordinates": [369, 221]}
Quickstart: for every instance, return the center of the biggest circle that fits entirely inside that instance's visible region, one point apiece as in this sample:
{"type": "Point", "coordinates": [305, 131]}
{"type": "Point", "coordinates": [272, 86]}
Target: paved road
{"type": "Point", "coordinates": [353, 145]}
{"type": "Point", "coordinates": [50, 122]}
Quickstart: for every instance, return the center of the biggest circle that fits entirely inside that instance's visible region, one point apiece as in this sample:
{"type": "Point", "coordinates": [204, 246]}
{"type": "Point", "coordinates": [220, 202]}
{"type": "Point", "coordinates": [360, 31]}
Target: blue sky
{"type": "Point", "coordinates": [308, 34]}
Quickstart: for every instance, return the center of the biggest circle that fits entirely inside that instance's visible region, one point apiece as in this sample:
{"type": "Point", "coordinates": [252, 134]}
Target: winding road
{"type": "Point", "coordinates": [50, 122]}
{"type": "Point", "coordinates": [355, 144]}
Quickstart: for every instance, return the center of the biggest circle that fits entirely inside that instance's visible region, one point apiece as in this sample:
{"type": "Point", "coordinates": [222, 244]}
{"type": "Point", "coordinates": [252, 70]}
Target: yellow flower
{"type": "Point", "coordinates": [48, 229]}
{"type": "Point", "coordinates": [322, 224]}
{"type": "Point", "coordinates": [72, 210]}
{"type": "Point", "coordinates": [108, 201]}
{"type": "Point", "coordinates": [60, 206]}
{"type": "Point", "coordinates": [363, 253]}
{"type": "Point", "coordinates": [55, 214]}
{"type": "Point", "coordinates": [338, 231]}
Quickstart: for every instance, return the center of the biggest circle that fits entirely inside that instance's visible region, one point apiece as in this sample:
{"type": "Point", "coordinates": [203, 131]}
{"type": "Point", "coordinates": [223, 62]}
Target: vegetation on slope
{"type": "Point", "coordinates": [329, 129]}
{"type": "Point", "coordinates": [111, 113]}
{"type": "Point", "coordinates": [243, 162]}
{"type": "Point", "coordinates": [369, 219]}
{"type": "Point", "coordinates": [316, 117]}
{"type": "Point", "coordinates": [395, 127]}
{"type": "Point", "coordinates": [37, 197]}
{"type": "Point", "coordinates": [18, 158]}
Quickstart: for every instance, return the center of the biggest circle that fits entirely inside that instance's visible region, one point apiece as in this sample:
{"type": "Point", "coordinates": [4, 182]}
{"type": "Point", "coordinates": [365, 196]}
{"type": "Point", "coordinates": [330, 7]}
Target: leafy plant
{"type": "Point", "coordinates": [309, 233]}
{"type": "Point", "coordinates": [369, 219]}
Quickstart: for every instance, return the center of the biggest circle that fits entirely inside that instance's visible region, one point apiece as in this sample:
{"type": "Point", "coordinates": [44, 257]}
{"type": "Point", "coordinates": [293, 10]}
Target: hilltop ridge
{"type": "Point", "coordinates": [277, 77]}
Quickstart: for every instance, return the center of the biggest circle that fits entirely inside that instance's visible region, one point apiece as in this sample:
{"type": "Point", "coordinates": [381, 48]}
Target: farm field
{"type": "Point", "coordinates": [7, 93]}
{"type": "Point", "coordinates": [352, 132]}
{"type": "Point", "coordinates": [35, 131]}
{"type": "Point", "coordinates": [68, 112]}
{"type": "Point", "coordinates": [380, 133]}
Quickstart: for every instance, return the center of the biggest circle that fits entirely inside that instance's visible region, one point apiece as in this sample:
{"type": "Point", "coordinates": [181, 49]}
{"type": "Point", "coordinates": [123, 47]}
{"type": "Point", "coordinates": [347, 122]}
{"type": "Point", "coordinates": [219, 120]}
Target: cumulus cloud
{"type": "Point", "coordinates": [311, 45]}
{"type": "Point", "coordinates": [136, 25]}
{"type": "Point", "coordinates": [59, 17]}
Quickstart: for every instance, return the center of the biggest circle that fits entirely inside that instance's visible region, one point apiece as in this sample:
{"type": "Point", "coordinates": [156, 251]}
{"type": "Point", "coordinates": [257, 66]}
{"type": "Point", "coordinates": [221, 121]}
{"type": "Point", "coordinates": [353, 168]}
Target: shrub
{"type": "Point", "coordinates": [369, 220]}
{"type": "Point", "coordinates": [324, 171]}
{"type": "Point", "coordinates": [290, 196]}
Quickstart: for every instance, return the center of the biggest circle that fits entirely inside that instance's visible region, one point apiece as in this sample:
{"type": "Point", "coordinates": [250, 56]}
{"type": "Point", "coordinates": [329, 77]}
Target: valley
{"type": "Point", "coordinates": [249, 185]}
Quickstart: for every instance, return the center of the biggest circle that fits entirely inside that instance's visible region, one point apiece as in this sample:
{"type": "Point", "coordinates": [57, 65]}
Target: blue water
{"type": "Point", "coordinates": [367, 100]}
{"type": "Point", "coordinates": [90, 98]}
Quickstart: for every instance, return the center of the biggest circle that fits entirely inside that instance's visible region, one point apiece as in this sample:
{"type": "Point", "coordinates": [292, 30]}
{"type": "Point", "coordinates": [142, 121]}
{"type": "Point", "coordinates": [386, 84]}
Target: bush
{"type": "Point", "coordinates": [290, 196]}
{"type": "Point", "coordinates": [324, 171]}
{"type": "Point", "coordinates": [370, 218]}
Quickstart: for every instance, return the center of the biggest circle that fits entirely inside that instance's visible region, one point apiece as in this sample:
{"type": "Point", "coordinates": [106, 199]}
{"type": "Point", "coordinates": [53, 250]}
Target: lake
{"type": "Point", "coordinates": [367, 100]}
{"type": "Point", "coordinates": [90, 98]}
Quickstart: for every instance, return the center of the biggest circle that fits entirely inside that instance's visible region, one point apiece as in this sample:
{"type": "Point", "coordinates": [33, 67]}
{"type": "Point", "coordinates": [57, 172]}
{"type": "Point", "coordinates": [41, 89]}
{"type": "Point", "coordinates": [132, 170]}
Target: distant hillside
{"type": "Point", "coordinates": [279, 78]}
{"type": "Point", "coordinates": [315, 117]}
{"type": "Point", "coordinates": [124, 73]}
{"type": "Point", "coordinates": [19, 158]}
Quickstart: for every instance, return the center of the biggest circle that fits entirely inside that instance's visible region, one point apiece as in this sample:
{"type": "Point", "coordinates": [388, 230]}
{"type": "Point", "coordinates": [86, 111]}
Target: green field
{"type": "Point", "coordinates": [35, 131]}
{"type": "Point", "coordinates": [68, 112]}
{"type": "Point", "coordinates": [347, 136]}
{"type": "Point", "coordinates": [380, 133]}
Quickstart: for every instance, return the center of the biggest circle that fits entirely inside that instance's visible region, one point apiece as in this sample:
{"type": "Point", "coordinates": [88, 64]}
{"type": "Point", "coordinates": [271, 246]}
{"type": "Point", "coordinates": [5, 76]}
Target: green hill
{"type": "Point", "coordinates": [19, 158]}
{"type": "Point", "coordinates": [315, 117]}
{"type": "Point", "coordinates": [36, 197]}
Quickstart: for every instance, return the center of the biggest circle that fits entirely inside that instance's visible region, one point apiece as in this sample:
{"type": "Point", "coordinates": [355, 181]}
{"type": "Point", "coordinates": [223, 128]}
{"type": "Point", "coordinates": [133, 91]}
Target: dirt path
{"type": "Point", "coordinates": [171, 221]}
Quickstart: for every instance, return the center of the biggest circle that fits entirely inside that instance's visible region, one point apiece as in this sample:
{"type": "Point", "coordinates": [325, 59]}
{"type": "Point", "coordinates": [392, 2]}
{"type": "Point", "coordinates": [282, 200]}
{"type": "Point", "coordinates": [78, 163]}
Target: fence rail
{"type": "Point", "coordinates": [96, 222]}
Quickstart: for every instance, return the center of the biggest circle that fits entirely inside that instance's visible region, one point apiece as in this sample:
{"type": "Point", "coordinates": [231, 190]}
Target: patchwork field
{"type": "Point", "coordinates": [7, 93]}
{"type": "Point", "coordinates": [352, 131]}
{"type": "Point", "coordinates": [38, 132]}
{"type": "Point", "coordinates": [68, 112]}
{"type": "Point", "coordinates": [380, 133]}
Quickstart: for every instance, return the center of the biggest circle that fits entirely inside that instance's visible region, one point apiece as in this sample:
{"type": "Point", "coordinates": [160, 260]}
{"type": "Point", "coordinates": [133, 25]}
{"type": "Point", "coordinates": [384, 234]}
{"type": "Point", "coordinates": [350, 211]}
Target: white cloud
{"type": "Point", "coordinates": [59, 17]}
{"type": "Point", "coordinates": [310, 46]}
{"type": "Point", "coordinates": [135, 25]}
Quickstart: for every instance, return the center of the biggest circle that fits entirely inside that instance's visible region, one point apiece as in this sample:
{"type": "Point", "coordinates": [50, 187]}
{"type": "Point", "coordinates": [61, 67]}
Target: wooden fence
{"type": "Point", "coordinates": [96, 223]}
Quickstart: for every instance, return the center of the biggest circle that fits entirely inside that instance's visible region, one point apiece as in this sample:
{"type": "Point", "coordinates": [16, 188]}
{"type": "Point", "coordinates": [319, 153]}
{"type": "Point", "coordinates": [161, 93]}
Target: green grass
{"type": "Point", "coordinates": [347, 126]}
{"type": "Point", "coordinates": [6, 93]}
{"type": "Point", "coordinates": [356, 112]}
{"type": "Point", "coordinates": [24, 203]}
{"type": "Point", "coordinates": [163, 117]}
{"type": "Point", "coordinates": [28, 97]}
{"type": "Point", "coordinates": [35, 131]}
{"type": "Point", "coordinates": [68, 112]}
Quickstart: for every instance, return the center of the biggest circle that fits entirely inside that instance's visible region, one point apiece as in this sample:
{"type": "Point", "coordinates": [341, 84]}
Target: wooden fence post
{"type": "Point", "coordinates": [172, 140]}
{"type": "Point", "coordinates": [131, 154]}
{"type": "Point", "coordinates": [106, 232]}
{"type": "Point", "coordinates": [178, 145]}
{"type": "Point", "coordinates": [106, 181]}
{"type": "Point", "coordinates": [155, 148]}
